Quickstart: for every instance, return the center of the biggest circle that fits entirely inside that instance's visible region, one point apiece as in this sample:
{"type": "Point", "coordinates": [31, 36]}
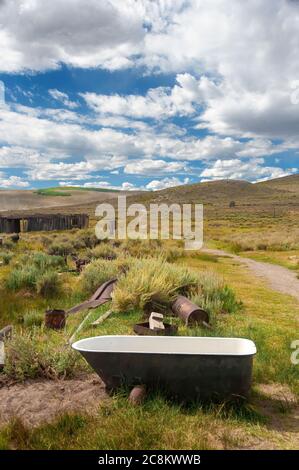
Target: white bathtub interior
{"type": "Point", "coordinates": [168, 345]}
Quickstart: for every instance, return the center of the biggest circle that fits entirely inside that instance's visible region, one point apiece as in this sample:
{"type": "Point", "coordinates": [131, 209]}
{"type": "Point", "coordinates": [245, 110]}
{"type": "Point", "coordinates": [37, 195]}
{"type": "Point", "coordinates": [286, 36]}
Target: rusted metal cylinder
{"type": "Point", "coordinates": [55, 319]}
{"type": "Point", "coordinates": [190, 313]}
{"type": "Point", "coordinates": [137, 395]}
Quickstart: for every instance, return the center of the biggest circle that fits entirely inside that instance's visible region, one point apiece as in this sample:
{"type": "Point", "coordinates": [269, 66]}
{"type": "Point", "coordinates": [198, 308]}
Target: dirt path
{"type": "Point", "coordinates": [279, 278]}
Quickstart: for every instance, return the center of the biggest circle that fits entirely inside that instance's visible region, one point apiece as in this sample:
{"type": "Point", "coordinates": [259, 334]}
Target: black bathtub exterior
{"type": "Point", "coordinates": [185, 377]}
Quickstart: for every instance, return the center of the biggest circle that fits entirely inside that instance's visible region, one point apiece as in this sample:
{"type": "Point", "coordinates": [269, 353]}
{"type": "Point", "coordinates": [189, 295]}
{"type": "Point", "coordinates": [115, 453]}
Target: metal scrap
{"type": "Point", "coordinates": [190, 313]}
{"type": "Point", "coordinates": [100, 297]}
{"type": "Point", "coordinates": [6, 332]}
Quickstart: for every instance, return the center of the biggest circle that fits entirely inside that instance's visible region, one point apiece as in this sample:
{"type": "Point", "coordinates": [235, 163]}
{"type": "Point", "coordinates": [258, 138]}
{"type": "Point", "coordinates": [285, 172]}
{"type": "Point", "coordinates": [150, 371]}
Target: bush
{"type": "Point", "coordinates": [172, 254]}
{"type": "Point", "coordinates": [61, 249]}
{"type": "Point", "coordinates": [85, 240]}
{"type": "Point", "coordinates": [8, 244]}
{"type": "Point", "coordinates": [100, 271]}
{"type": "Point", "coordinates": [48, 284]}
{"type": "Point", "coordinates": [104, 251]}
{"type": "Point", "coordinates": [28, 357]}
{"type": "Point", "coordinates": [22, 278]}
{"type": "Point", "coordinates": [214, 296]}
{"type": "Point", "coordinates": [42, 261]}
{"type": "Point", "coordinates": [6, 257]}
{"type": "Point", "coordinates": [151, 281]}
{"type": "Point", "coordinates": [33, 318]}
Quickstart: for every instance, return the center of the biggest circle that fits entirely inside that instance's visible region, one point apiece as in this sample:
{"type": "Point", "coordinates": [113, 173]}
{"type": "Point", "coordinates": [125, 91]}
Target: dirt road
{"type": "Point", "coordinates": [279, 278]}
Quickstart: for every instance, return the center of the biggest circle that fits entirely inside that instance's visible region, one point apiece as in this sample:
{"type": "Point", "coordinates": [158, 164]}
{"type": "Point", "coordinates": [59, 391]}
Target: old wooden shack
{"type": "Point", "coordinates": [42, 222]}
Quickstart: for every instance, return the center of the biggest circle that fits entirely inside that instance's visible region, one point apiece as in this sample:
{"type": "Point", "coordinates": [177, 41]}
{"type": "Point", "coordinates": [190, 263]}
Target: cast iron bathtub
{"type": "Point", "coordinates": [187, 368]}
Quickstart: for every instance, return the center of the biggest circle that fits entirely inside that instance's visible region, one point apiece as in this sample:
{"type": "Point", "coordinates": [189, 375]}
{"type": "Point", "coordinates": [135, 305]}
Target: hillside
{"type": "Point", "coordinates": [52, 199]}
{"type": "Point", "coordinates": [215, 195]}
{"type": "Point", "coordinates": [222, 192]}
{"type": "Point", "coordinates": [287, 183]}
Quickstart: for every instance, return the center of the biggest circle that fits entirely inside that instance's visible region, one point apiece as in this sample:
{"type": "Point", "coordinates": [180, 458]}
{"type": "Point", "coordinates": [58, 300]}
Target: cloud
{"type": "Point", "coordinates": [41, 35]}
{"type": "Point", "coordinates": [46, 146]}
{"type": "Point", "coordinates": [158, 103]}
{"type": "Point", "coordinates": [125, 186]}
{"type": "Point", "coordinates": [235, 65]}
{"type": "Point", "coordinates": [157, 167]}
{"type": "Point", "coordinates": [12, 182]}
{"type": "Point", "coordinates": [164, 183]}
{"type": "Point", "coordinates": [246, 55]}
{"type": "Point", "coordinates": [63, 98]}
{"type": "Point", "coordinates": [252, 170]}
{"type": "Point", "coordinates": [53, 171]}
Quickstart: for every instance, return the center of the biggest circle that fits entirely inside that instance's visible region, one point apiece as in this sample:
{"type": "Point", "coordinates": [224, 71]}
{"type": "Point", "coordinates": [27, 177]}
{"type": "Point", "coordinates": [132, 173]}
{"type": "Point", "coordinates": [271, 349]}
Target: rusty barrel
{"type": "Point", "coordinates": [190, 313]}
{"type": "Point", "coordinates": [55, 319]}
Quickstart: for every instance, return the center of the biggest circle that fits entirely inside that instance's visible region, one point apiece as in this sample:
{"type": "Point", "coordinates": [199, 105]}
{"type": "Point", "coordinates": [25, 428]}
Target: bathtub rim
{"type": "Point", "coordinates": [251, 345]}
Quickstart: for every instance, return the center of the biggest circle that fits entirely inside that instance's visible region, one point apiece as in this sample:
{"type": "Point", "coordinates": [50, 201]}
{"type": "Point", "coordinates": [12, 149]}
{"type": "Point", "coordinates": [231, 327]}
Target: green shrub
{"type": "Point", "coordinates": [48, 284]}
{"type": "Point", "coordinates": [85, 240]}
{"type": "Point", "coordinates": [171, 254]}
{"type": "Point", "coordinates": [29, 357]}
{"type": "Point", "coordinates": [104, 251]}
{"type": "Point", "coordinates": [60, 249]}
{"type": "Point", "coordinates": [33, 318]}
{"type": "Point", "coordinates": [22, 278]}
{"type": "Point", "coordinates": [6, 257]}
{"type": "Point", "coordinates": [8, 244]}
{"type": "Point", "coordinates": [214, 296]}
{"type": "Point", "coordinates": [42, 261]}
{"type": "Point", "coordinates": [100, 271]}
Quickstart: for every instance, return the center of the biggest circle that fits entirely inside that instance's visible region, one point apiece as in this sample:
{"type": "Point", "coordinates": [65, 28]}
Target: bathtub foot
{"type": "Point", "coordinates": [137, 395]}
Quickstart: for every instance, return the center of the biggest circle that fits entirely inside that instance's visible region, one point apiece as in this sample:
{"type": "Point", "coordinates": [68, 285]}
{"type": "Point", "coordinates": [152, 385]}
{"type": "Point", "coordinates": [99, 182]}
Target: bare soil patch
{"type": "Point", "coordinates": [39, 401]}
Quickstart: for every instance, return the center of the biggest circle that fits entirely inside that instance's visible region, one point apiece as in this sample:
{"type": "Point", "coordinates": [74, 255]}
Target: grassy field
{"type": "Point", "coordinates": [39, 354]}
{"type": "Point", "coordinates": [68, 190]}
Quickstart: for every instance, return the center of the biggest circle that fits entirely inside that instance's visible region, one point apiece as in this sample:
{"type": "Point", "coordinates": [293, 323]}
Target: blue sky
{"type": "Point", "coordinates": [142, 94]}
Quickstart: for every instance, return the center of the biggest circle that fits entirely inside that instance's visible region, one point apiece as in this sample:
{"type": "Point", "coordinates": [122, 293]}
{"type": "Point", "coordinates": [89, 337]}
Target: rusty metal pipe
{"type": "Point", "coordinates": [190, 313]}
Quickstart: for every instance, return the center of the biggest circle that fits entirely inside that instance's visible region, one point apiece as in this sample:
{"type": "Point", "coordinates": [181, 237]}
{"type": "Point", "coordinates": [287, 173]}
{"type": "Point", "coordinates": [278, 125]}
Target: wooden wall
{"type": "Point", "coordinates": [43, 223]}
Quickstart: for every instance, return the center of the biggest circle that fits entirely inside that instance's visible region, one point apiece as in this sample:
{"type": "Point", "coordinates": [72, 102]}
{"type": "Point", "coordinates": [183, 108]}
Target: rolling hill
{"type": "Point", "coordinates": [287, 183]}
{"type": "Point", "coordinates": [222, 192]}
{"type": "Point", "coordinates": [281, 192]}
{"type": "Point", "coordinates": [49, 199]}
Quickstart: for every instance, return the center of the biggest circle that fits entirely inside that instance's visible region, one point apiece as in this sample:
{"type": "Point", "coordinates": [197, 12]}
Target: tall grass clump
{"type": "Point", "coordinates": [104, 251]}
{"type": "Point", "coordinates": [6, 257]}
{"type": "Point", "coordinates": [85, 240]}
{"type": "Point", "coordinates": [42, 261]}
{"type": "Point", "coordinates": [151, 280]}
{"type": "Point", "coordinates": [48, 284]}
{"type": "Point", "coordinates": [29, 357]}
{"type": "Point", "coordinates": [22, 278]}
{"type": "Point", "coordinates": [61, 249]}
{"type": "Point", "coordinates": [33, 318]}
{"type": "Point", "coordinates": [100, 271]}
{"type": "Point", "coordinates": [151, 248]}
{"type": "Point", "coordinates": [214, 296]}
